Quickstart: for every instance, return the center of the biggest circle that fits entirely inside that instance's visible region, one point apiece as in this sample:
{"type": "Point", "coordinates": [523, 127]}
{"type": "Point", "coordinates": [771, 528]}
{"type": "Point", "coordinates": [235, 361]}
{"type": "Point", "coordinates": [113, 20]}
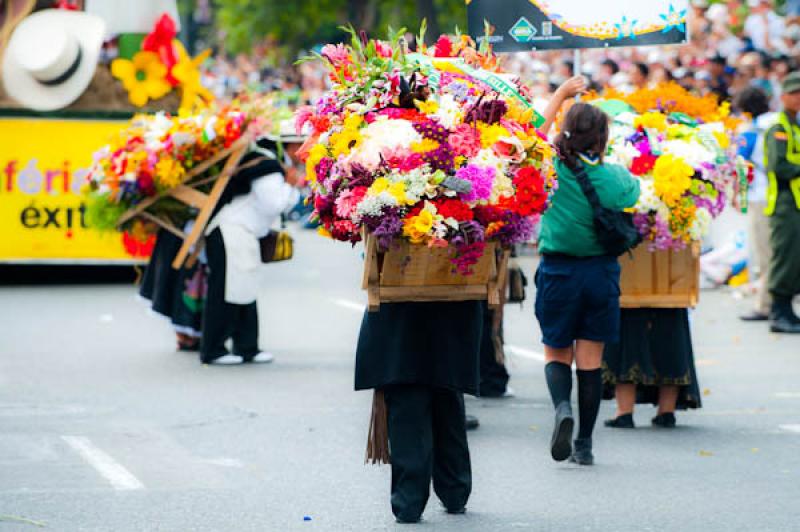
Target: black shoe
{"type": "Point", "coordinates": [666, 421]}
{"type": "Point", "coordinates": [471, 423]}
{"type": "Point", "coordinates": [625, 421]}
{"type": "Point", "coordinates": [783, 325]}
{"type": "Point", "coordinates": [457, 511]}
{"type": "Point", "coordinates": [582, 455]}
{"type": "Point", "coordinates": [755, 316]}
{"type": "Point", "coordinates": [406, 521]}
{"type": "Point", "coordinates": [561, 442]}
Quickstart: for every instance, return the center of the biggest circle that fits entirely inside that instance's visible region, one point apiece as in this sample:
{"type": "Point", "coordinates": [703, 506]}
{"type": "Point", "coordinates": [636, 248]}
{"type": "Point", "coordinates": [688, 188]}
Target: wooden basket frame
{"type": "Point", "coordinates": [661, 279]}
{"type": "Point", "coordinates": [378, 291]}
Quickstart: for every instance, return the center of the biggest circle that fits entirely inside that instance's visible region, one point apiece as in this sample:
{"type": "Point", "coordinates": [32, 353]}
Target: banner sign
{"type": "Point", "coordinates": [43, 167]}
{"type": "Point", "coordinates": [525, 25]}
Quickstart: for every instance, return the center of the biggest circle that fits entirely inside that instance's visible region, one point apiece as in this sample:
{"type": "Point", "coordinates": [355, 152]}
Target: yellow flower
{"type": "Point", "coordinates": [655, 121]}
{"type": "Point", "coordinates": [144, 77]}
{"type": "Point", "coordinates": [429, 107]}
{"type": "Point", "coordinates": [519, 113]}
{"type": "Point", "coordinates": [344, 141]}
{"type": "Point", "coordinates": [723, 139]}
{"type": "Point", "coordinates": [378, 186]}
{"type": "Point", "coordinates": [324, 232]}
{"type": "Point", "coordinates": [169, 173]}
{"type": "Point", "coordinates": [491, 134]}
{"type": "Point", "coordinates": [187, 71]}
{"type": "Point", "coordinates": [417, 227]}
{"type": "Point", "coordinates": [672, 177]}
{"type": "Point", "coordinates": [317, 153]}
{"type": "Point", "coordinates": [680, 131]}
{"type": "Point", "coordinates": [353, 122]}
{"type": "Point", "coordinates": [424, 146]}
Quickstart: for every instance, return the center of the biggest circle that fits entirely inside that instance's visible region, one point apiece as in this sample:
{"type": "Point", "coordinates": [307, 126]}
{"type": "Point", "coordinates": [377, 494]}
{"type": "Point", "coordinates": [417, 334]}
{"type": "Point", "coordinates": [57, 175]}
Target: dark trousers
{"type": "Point", "coordinates": [784, 274]}
{"type": "Point", "coordinates": [223, 320]}
{"type": "Point", "coordinates": [494, 377]}
{"type": "Point", "coordinates": [428, 441]}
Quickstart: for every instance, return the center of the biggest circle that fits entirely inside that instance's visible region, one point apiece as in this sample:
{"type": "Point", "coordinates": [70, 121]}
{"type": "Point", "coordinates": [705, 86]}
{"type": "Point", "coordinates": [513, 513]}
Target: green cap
{"type": "Point", "coordinates": [791, 83]}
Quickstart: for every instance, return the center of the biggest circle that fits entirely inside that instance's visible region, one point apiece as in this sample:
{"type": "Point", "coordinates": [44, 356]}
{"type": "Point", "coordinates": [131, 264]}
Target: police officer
{"type": "Point", "coordinates": [782, 151]}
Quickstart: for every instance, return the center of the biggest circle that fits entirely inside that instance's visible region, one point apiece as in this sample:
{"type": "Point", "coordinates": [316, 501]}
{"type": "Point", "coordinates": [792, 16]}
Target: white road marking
{"type": "Point", "coordinates": [349, 305]}
{"type": "Point", "coordinates": [788, 395]}
{"type": "Point", "coordinates": [119, 477]}
{"type": "Point", "coordinates": [525, 353]}
{"type": "Point", "coordinates": [791, 428]}
{"type": "Point", "coordinates": [224, 462]}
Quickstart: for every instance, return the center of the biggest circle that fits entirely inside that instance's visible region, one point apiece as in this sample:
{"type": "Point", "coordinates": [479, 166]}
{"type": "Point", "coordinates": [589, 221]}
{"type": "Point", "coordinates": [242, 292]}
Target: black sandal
{"type": "Point", "coordinates": [625, 421]}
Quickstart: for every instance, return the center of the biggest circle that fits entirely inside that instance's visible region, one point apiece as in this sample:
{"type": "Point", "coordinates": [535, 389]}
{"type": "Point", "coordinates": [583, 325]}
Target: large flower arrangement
{"type": "Point", "coordinates": [679, 146]}
{"type": "Point", "coordinates": [437, 147]}
{"type": "Point", "coordinates": [156, 153]}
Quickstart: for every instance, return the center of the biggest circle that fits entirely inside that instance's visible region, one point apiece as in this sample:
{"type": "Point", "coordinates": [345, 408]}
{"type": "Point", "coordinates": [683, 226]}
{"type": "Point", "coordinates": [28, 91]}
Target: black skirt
{"type": "Point", "coordinates": [175, 294]}
{"type": "Point", "coordinates": [655, 349]}
{"type": "Point", "coordinates": [433, 344]}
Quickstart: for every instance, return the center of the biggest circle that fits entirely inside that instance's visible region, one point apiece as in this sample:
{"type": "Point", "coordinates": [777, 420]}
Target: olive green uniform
{"type": "Point", "coordinates": [782, 148]}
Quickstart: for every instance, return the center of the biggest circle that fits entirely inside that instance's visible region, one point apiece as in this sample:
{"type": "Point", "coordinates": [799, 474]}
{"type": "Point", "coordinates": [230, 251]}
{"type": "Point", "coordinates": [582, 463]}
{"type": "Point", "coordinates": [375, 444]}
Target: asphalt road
{"type": "Point", "coordinates": [104, 427]}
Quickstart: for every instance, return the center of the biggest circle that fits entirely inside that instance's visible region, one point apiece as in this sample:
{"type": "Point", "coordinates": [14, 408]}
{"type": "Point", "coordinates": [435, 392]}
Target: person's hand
{"type": "Point", "coordinates": [572, 87]}
{"type": "Point", "coordinates": [295, 178]}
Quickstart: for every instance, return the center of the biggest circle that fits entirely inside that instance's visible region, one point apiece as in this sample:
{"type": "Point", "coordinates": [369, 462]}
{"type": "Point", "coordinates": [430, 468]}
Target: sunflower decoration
{"type": "Point", "coordinates": [144, 77]}
{"type": "Point", "coordinates": [187, 72]}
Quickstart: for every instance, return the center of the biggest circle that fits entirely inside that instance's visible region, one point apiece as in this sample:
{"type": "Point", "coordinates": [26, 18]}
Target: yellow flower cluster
{"type": "Point", "coordinates": [317, 153]}
{"type": "Point", "coordinates": [343, 142]}
{"type": "Point", "coordinates": [491, 134]}
{"type": "Point", "coordinates": [428, 107]}
{"type": "Point", "coordinates": [170, 172]}
{"type": "Point", "coordinates": [657, 121]}
{"type": "Point", "coordinates": [417, 228]}
{"type": "Point", "coordinates": [424, 146]}
{"type": "Point", "coordinates": [396, 190]}
{"type": "Point", "coordinates": [672, 177]}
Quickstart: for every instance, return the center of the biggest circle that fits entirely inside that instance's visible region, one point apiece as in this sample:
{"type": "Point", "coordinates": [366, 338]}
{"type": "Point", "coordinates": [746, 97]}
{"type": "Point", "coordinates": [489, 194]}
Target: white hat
{"type": "Point", "coordinates": [133, 16]}
{"type": "Point", "coordinates": [286, 133]}
{"type": "Point", "coordinates": [51, 58]}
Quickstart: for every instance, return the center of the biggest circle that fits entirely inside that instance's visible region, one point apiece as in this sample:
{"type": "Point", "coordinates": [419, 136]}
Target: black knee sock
{"type": "Point", "coordinates": [559, 382]}
{"type": "Point", "coordinates": [590, 393]}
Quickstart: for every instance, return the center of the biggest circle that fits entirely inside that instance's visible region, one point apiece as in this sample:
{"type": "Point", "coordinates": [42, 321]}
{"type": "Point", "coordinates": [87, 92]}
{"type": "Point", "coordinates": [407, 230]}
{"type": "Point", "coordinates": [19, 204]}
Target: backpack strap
{"type": "Point", "coordinates": [587, 187]}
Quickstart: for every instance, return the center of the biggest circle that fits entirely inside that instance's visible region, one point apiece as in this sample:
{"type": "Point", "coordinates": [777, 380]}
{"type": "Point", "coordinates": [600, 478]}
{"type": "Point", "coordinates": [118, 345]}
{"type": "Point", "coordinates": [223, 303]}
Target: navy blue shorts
{"type": "Point", "coordinates": [578, 299]}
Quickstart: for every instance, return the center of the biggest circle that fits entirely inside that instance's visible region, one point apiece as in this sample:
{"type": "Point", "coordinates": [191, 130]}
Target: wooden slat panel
{"type": "Point", "coordinates": [396, 294]}
{"type": "Point", "coordinates": [662, 279]}
{"type": "Point", "coordinates": [189, 196]}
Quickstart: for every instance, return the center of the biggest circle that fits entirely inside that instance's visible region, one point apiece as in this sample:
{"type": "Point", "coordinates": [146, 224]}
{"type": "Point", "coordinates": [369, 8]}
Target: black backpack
{"type": "Point", "coordinates": [616, 231]}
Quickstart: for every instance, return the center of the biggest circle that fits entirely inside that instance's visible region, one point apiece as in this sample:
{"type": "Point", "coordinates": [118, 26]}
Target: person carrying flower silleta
{"type": "Point", "coordinates": [424, 357]}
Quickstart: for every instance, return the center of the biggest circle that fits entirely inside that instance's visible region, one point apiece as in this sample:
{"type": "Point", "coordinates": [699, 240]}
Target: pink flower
{"type": "Point", "coordinates": [466, 141]}
{"type": "Point", "coordinates": [348, 201]}
{"type": "Point", "coordinates": [482, 180]}
{"type": "Point", "coordinates": [383, 49]}
{"type": "Point", "coordinates": [301, 117]}
{"type": "Point", "coordinates": [336, 54]}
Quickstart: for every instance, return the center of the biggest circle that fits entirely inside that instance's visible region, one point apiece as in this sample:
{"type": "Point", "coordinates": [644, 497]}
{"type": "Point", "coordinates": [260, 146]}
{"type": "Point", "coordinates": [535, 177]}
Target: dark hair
{"type": "Point", "coordinates": [643, 69]}
{"type": "Point", "coordinates": [753, 101]}
{"type": "Point", "coordinates": [585, 130]}
{"type": "Point", "coordinates": [610, 63]}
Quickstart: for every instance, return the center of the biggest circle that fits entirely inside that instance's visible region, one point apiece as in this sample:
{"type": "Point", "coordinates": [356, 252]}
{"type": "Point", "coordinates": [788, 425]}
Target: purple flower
{"type": "Point", "coordinates": [433, 130]}
{"type": "Point", "coordinates": [386, 228]}
{"type": "Point", "coordinates": [442, 158]}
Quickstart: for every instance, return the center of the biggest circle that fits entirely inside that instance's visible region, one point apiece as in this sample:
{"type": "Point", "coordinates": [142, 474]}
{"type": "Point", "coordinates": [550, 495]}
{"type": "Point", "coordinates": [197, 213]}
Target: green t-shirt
{"type": "Point", "coordinates": [568, 226]}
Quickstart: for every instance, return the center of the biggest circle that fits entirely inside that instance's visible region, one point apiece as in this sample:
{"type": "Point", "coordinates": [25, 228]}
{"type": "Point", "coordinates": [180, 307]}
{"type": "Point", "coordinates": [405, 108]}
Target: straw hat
{"type": "Point", "coordinates": [51, 58]}
{"type": "Point", "coordinates": [132, 16]}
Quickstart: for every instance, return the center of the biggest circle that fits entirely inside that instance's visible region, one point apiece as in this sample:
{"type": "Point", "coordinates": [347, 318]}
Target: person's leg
{"type": "Point", "coordinates": [588, 358]}
{"type": "Point", "coordinates": [784, 276]}
{"type": "Point", "coordinates": [764, 250]}
{"type": "Point", "coordinates": [217, 314]}
{"type": "Point", "coordinates": [558, 374]}
{"type": "Point", "coordinates": [452, 472]}
{"type": "Point", "coordinates": [245, 332]}
{"type": "Point", "coordinates": [410, 422]}
{"type": "Point", "coordinates": [667, 399]}
{"type": "Point", "coordinates": [626, 398]}
{"type": "Point", "coordinates": [494, 377]}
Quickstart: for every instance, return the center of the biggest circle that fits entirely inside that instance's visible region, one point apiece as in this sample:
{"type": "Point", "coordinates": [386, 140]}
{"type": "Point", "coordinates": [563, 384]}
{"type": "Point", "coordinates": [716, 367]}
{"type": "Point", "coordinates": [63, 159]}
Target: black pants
{"type": "Point", "coordinates": [223, 320]}
{"type": "Point", "coordinates": [494, 377]}
{"type": "Point", "coordinates": [428, 440]}
{"type": "Point", "coordinates": [784, 274]}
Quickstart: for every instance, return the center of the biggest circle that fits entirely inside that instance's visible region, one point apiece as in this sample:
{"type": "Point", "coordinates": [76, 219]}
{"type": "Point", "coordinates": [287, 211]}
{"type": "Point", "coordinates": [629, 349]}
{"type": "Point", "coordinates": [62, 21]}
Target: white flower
{"type": "Point", "coordinates": [449, 113]}
{"type": "Point", "coordinates": [693, 153]}
{"type": "Point", "coordinates": [701, 224]}
{"type": "Point", "coordinates": [374, 205]}
{"type": "Point", "coordinates": [382, 136]}
{"type": "Point", "coordinates": [648, 199]}
{"type": "Point", "coordinates": [502, 186]}
{"type": "Point", "coordinates": [487, 158]}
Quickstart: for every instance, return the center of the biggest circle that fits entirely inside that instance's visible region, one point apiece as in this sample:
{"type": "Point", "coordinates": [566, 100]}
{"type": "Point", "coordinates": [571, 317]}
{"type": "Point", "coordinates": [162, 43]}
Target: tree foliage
{"type": "Point", "coordinates": [301, 24]}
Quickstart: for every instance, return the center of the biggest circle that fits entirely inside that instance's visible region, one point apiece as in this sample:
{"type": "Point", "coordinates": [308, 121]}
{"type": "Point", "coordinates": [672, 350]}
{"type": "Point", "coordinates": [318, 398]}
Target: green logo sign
{"type": "Point", "coordinates": [523, 30]}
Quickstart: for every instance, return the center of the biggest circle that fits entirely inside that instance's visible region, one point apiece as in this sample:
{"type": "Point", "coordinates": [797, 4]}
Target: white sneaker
{"type": "Point", "coordinates": [263, 358]}
{"type": "Point", "coordinates": [509, 393]}
{"type": "Point", "coordinates": [227, 360]}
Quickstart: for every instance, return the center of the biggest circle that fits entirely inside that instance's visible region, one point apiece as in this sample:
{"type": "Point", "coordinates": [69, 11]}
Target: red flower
{"type": "Point", "coordinates": [531, 197]}
{"type": "Point", "coordinates": [138, 248]}
{"type": "Point", "coordinates": [145, 183]}
{"type": "Point", "coordinates": [486, 214]}
{"type": "Point", "coordinates": [643, 164]}
{"type": "Point", "coordinates": [444, 48]}
{"type": "Point", "coordinates": [454, 208]}
{"type": "Point", "coordinates": [415, 210]}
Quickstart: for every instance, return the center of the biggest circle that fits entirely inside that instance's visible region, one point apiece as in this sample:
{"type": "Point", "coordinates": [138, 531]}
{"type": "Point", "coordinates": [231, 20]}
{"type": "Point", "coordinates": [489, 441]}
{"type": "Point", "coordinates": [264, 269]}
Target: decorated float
{"type": "Point", "coordinates": [61, 99]}
{"type": "Point", "coordinates": [433, 160]}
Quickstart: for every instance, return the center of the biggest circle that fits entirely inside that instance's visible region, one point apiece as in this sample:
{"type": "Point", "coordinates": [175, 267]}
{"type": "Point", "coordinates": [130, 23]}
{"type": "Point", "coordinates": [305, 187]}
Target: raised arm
{"type": "Point", "coordinates": [569, 89]}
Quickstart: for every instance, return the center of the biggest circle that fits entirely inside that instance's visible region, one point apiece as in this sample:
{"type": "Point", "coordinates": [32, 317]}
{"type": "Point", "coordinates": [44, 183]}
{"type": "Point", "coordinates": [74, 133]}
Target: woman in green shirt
{"type": "Point", "coordinates": [577, 300]}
